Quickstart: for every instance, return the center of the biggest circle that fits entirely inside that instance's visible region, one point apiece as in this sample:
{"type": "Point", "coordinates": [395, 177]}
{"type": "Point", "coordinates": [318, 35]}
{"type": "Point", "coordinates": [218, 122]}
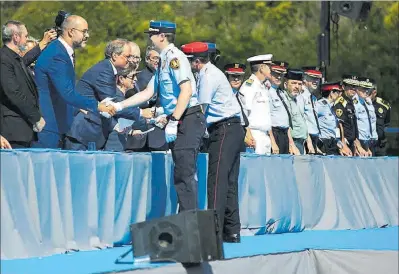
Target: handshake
{"type": "Point", "coordinates": [108, 108]}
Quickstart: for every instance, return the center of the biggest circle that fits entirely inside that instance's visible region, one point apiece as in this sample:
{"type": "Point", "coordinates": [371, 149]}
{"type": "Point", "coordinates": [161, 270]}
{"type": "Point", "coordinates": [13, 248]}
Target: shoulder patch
{"type": "Point", "coordinates": [341, 100]}
{"type": "Point", "coordinates": [355, 101]}
{"type": "Point", "coordinates": [249, 82]}
{"type": "Point", "coordinates": [174, 63]}
{"type": "Point", "coordinates": [383, 102]}
{"type": "Point", "coordinates": [339, 112]}
{"type": "Point", "coordinates": [380, 110]}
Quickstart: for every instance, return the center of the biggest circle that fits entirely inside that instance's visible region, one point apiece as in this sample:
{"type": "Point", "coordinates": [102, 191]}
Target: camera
{"type": "Point", "coordinates": [59, 19]}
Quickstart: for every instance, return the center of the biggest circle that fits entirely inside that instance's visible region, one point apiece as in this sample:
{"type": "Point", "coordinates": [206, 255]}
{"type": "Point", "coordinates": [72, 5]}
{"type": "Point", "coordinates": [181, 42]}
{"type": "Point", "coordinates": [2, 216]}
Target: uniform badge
{"type": "Point", "coordinates": [174, 63]}
{"type": "Point", "coordinates": [236, 65]}
{"type": "Point", "coordinates": [339, 112]}
{"type": "Point", "coordinates": [355, 101]}
{"type": "Point", "coordinates": [380, 110]}
{"type": "Point", "coordinates": [249, 82]}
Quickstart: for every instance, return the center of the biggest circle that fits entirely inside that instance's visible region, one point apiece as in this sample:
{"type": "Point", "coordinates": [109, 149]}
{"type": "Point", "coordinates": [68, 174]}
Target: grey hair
{"type": "Point", "coordinates": [148, 50]}
{"type": "Point", "coordinates": [9, 29]}
{"type": "Point", "coordinates": [115, 46]}
{"type": "Point", "coordinates": [32, 40]}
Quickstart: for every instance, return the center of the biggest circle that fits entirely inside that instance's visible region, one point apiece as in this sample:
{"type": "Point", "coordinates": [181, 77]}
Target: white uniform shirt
{"type": "Point", "coordinates": [256, 104]}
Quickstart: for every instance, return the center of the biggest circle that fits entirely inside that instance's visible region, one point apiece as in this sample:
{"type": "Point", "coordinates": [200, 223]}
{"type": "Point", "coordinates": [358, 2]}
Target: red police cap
{"type": "Point", "coordinates": [234, 68]}
{"type": "Point", "coordinates": [331, 86]}
{"type": "Point", "coordinates": [313, 71]}
{"type": "Point", "coordinates": [195, 47]}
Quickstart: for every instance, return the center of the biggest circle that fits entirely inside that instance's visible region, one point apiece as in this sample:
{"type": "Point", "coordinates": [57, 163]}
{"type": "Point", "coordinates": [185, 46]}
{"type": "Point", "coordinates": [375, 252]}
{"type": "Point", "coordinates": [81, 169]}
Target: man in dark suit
{"type": "Point", "coordinates": [21, 116]}
{"type": "Point", "coordinates": [99, 83]}
{"type": "Point", "coordinates": [154, 140]}
{"type": "Point", "coordinates": [55, 78]}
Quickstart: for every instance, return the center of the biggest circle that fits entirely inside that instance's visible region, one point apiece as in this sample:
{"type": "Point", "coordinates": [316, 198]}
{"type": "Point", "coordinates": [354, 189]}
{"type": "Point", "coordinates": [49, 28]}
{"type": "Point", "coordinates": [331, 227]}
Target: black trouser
{"type": "Point", "coordinates": [380, 148]}
{"type": "Point", "coordinates": [315, 140]}
{"type": "Point", "coordinates": [329, 146]}
{"type": "Point", "coordinates": [281, 137]}
{"type": "Point", "coordinates": [365, 144]}
{"type": "Point", "coordinates": [225, 143]}
{"type": "Point", "coordinates": [185, 150]}
{"type": "Point", "coordinates": [17, 144]}
{"type": "Point", "coordinates": [300, 144]}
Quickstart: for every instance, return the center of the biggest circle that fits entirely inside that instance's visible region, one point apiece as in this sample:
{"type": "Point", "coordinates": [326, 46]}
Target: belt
{"type": "Point", "coordinates": [224, 121]}
{"type": "Point", "coordinates": [192, 110]}
{"type": "Point", "coordinates": [283, 129]}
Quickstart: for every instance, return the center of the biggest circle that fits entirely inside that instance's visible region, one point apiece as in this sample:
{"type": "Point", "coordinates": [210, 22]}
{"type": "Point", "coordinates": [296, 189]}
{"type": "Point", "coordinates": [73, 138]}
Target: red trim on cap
{"type": "Point", "coordinates": [195, 47]}
{"type": "Point", "coordinates": [314, 72]}
{"type": "Point", "coordinates": [279, 68]}
{"type": "Point", "coordinates": [235, 70]}
{"type": "Point", "coordinates": [330, 87]}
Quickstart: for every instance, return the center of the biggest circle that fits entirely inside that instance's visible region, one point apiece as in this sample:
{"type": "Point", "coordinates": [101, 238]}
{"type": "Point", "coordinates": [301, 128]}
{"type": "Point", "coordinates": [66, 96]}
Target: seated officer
{"type": "Point", "coordinates": [226, 135]}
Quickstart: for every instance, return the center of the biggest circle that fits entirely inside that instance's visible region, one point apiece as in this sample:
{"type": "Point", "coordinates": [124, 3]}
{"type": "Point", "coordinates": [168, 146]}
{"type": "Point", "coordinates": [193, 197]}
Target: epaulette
{"type": "Point", "coordinates": [383, 102]}
{"type": "Point", "coordinates": [341, 100]}
{"type": "Point", "coordinates": [249, 82]}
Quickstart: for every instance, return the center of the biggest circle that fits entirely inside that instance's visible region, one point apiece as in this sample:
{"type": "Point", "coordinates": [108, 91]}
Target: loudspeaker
{"type": "Point", "coordinates": [357, 10]}
{"type": "Point", "coordinates": [188, 237]}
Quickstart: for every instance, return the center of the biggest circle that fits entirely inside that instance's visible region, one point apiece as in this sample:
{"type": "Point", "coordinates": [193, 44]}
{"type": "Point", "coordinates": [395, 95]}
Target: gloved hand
{"type": "Point", "coordinates": [161, 121]}
{"type": "Point", "coordinates": [171, 131]}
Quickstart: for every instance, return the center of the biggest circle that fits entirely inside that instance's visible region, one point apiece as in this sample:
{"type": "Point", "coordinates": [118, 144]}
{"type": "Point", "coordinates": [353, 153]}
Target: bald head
{"type": "Point", "coordinates": [75, 31]}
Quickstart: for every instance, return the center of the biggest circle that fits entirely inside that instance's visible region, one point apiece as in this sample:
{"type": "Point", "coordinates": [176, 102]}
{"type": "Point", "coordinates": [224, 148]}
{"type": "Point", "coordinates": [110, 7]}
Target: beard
{"type": "Point", "coordinates": [133, 66]}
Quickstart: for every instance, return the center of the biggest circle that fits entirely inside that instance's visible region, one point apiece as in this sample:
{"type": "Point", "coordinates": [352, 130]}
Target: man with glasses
{"type": "Point", "coordinates": [280, 134]}
{"type": "Point", "coordinates": [55, 79]}
{"type": "Point", "coordinates": [311, 83]}
{"type": "Point", "coordinates": [99, 83]}
{"type": "Point", "coordinates": [345, 111]}
{"type": "Point", "coordinates": [174, 82]}
{"type": "Point", "coordinates": [154, 140]}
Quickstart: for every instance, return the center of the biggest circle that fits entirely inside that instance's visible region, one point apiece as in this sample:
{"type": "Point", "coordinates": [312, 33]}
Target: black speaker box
{"type": "Point", "coordinates": [357, 10]}
{"type": "Point", "coordinates": [188, 237]}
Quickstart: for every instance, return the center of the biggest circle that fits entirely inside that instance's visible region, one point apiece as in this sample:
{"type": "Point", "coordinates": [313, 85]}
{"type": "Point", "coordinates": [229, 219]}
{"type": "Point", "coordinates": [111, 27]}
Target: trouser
{"type": "Point", "coordinates": [17, 144]}
{"type": "Point", "coordinates": [185, 150]}
{"type": "Point", "coordinates": [300, 144]}
{"type": "Point", "coordinates": [380, 148]}
{"type": "Point", "coordinates": [225, 143]}
{"type": "Point", "coordinates": [281, 137]}
{"type": "Point", "coordinates": [263, 144]}
{"type": "Point", "coordinates": [328, 146]}
{"type": "Point", "coordinates": [73, 144]}
{"type": "Point", "coordinates": [314, 139]}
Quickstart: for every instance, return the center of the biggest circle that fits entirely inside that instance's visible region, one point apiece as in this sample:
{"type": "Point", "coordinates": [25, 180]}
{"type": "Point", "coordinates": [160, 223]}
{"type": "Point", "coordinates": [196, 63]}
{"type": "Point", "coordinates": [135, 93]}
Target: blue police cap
{"type": "Point", "coordinates": [161, 27]}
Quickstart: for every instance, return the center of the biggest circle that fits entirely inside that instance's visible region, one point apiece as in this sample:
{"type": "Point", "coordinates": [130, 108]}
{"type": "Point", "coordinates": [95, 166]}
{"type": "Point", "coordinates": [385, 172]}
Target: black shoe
{"type": "Point", "coordinates": [231, 238]}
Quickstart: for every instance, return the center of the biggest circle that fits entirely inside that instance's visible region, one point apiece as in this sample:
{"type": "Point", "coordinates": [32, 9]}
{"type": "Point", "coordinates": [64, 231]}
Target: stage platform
{"type": "Point", "coordinates": [368, 251]}
{"type": "Point", "coordinates": [54, 201]}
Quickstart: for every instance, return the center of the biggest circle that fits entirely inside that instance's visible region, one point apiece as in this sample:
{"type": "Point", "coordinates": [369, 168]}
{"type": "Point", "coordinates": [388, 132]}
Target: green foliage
{"type": "Point", "coordinates": [241, 29]}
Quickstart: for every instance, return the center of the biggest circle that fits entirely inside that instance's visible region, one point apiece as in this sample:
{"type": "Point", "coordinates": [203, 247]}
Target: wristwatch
{"type": "Point", "coordinates": [172, 118]}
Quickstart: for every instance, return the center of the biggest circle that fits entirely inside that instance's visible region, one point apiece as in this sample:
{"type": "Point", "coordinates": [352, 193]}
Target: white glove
{"type": "Point", "coordinates": [171, 131]}
{"type": "Point", "coordinates": [161, 121]}
{"type": "Point", "coordinates": [206, 134]}
{"type": "Point", "coordinates": [107, 101]}
{"type": "Point", "coordinates": [38, 126]}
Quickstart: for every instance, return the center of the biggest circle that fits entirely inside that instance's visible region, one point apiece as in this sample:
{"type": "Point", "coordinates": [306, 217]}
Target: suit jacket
{"type": "Point", "coordinates": [98, 83]}
{"type": "Point", "coordinates": [55, 78]}
{"type": "Point", "coordinates": [154, 139]}
{"type": "Point", "coordinates": [19, 98]}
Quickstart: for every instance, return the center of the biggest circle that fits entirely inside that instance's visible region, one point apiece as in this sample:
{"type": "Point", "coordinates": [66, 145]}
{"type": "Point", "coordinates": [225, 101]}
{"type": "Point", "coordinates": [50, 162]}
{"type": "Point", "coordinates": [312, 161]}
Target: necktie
{"type": "Point", "coordinates": [315, 114]}
{"type": "Point", "coordinates": [285, 106]}
{"type": "Point", "coordinates": [73, 59]}
{"type": "Point", "coordinates": [368, 118]}
{"type": "Point", "coordinates": [244, 117]}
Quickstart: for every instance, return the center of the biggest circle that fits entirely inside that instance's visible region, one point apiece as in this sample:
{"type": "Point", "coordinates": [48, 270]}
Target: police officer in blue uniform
{"type": "Point", "coordinates": [329, 142]}
{"type": "Point", "coordinates": [178, 96]}
{"type": "Point", "coordinates": [279, 112]}
{"type": "Point", "coordinates": [226, 135]}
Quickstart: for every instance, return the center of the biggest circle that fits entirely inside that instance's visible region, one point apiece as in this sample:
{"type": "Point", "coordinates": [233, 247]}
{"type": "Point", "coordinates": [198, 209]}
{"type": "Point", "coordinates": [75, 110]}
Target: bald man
{"type": "Point", "coordinates": [135, 55]}
{"type": "Point", "coordinates": [55, 79]}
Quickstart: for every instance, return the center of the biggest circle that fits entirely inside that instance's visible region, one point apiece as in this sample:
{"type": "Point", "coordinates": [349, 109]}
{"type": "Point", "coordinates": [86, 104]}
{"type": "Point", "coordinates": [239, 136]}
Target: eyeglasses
{"type": "Point", "coordinates": [132, 57]}
{"type": "Point", "coordinates": [154, 58]}
{"type": "Point", "coordinates": [84, 32]}
{"type": "Point", "coordinates": [235, 77]}
{"type": "Point", "coordinates": [276, 74]}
